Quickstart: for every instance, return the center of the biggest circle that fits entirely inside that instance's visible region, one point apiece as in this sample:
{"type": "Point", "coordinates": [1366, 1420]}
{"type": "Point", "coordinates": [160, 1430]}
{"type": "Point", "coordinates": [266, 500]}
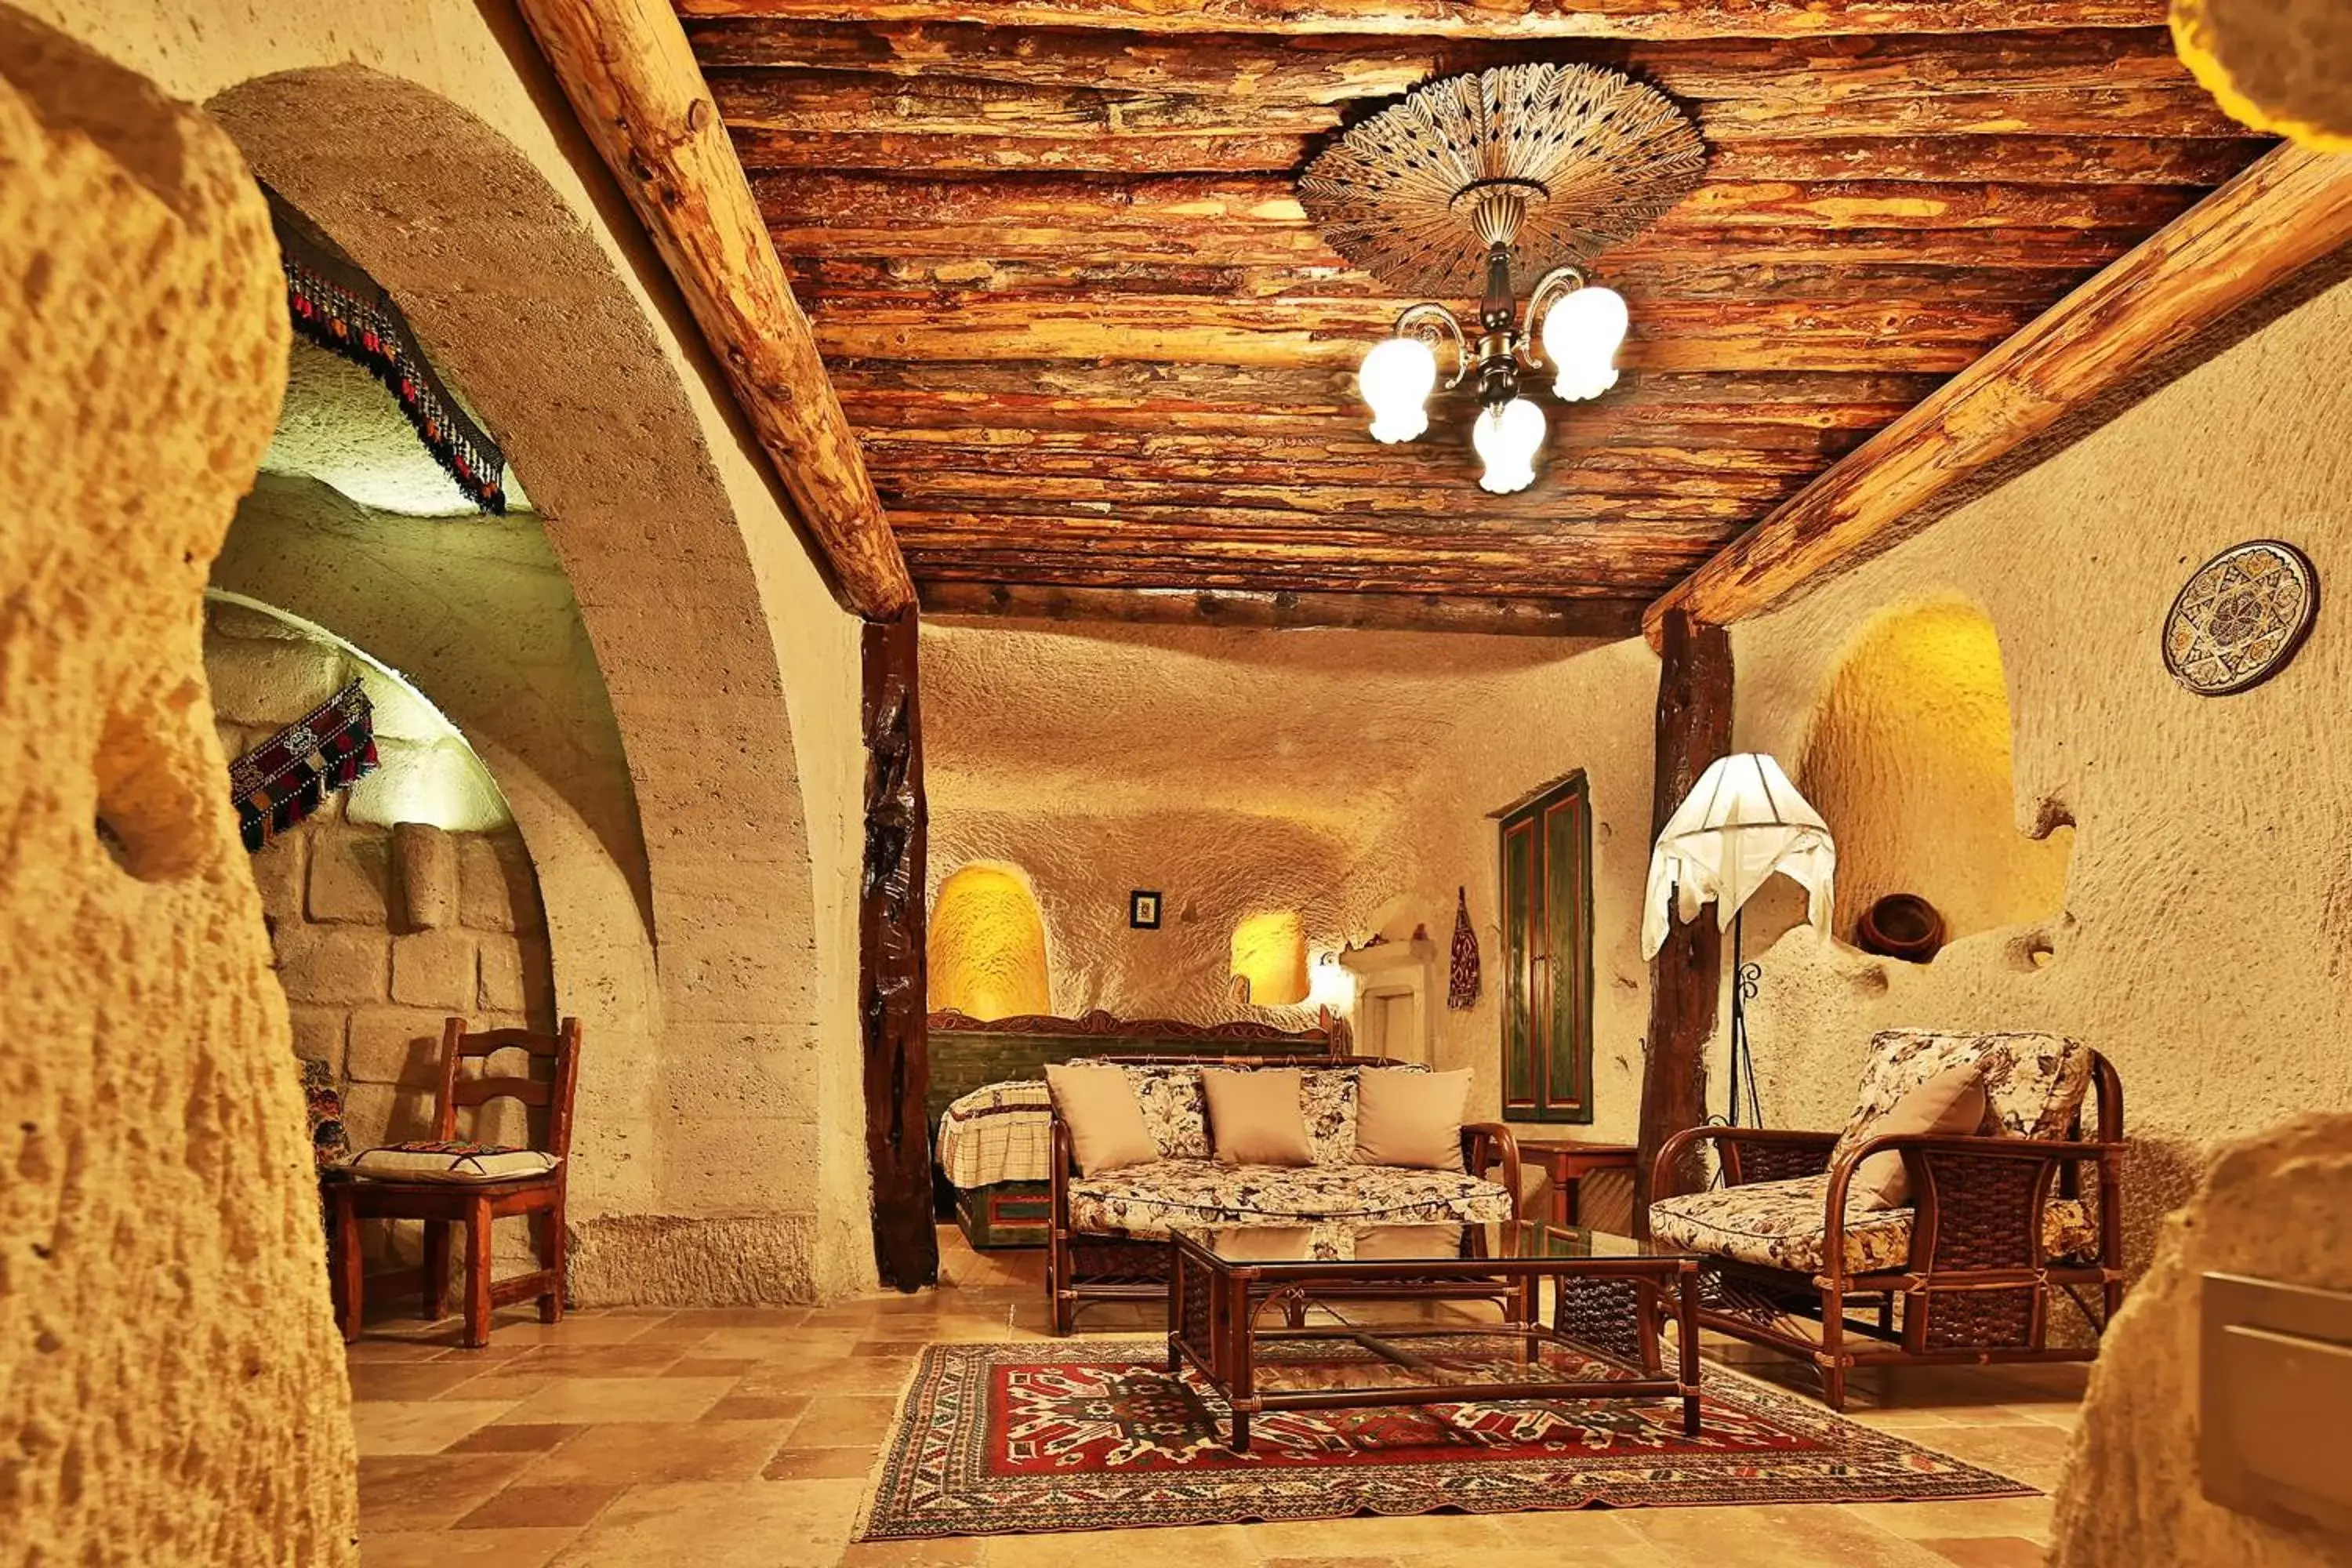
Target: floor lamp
{"type": "Point", "coordinates": [1741, 824]}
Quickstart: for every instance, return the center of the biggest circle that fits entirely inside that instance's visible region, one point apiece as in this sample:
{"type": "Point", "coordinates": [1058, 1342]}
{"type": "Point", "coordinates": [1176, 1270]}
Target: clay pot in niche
{"type": "Point", "coordinates": [1901, 925]}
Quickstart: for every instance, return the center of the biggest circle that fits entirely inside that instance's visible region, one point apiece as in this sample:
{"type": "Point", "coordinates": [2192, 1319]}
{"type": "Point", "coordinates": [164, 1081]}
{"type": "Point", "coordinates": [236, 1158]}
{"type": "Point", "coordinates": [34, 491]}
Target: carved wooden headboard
{"type": "Point", "coordinates": [967, 1053]}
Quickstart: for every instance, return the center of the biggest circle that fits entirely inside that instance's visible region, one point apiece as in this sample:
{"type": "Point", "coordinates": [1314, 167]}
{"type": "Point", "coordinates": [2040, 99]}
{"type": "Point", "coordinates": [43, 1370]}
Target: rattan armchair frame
{"type": "Point", "coordinates": [1976, 1286]}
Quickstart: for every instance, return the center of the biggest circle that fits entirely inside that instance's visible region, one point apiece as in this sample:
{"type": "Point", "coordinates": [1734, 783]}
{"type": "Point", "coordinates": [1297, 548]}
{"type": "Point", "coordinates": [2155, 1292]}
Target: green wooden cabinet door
{"type": "Point", "coordinates": [1519, 971]}
{"type": "Point", "coordinates": [1546, 849]}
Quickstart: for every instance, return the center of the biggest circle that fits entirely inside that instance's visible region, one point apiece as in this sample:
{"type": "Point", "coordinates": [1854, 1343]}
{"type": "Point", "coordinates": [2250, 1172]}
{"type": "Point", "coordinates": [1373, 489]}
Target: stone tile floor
{"type": "Point", "coordinates": [742, 1439]}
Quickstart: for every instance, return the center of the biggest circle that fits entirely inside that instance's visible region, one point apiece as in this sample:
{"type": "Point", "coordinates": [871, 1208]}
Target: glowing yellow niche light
{"type": "Point", "coordinates": [987, 947]}
{"type": "Point", "coordinates": [1270, 959]}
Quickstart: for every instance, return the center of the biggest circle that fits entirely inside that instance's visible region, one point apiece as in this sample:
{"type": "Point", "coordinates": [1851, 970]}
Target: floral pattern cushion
{"type": "Point", "coordinates": [1150, 1200]}
{"type": "Point", "coordinates": [1177, 1113]}
{"type": "Point", "coordinates": [2033, 1083]}
{"type": "Point", "coordinates": [1174, 1109]}
{"type": "Point", "coordinates": [1784, 1225]}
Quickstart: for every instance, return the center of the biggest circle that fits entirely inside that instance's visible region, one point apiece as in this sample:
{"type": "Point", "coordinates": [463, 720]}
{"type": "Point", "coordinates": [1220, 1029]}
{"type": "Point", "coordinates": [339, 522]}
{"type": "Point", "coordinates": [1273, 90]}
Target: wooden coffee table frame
{"type": "Point", "coordinates": [1605, 1306]}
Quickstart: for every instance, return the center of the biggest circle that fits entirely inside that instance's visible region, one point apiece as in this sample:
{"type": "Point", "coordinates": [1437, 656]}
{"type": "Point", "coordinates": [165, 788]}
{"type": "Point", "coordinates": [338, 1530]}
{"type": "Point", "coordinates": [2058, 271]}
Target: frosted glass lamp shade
{"type": "Point", "coordinates": [1507, 437]}
{"type": "Point", "coordinates": [1396, 379]}
{"type": "Point", "coordinates": [1581, 334]}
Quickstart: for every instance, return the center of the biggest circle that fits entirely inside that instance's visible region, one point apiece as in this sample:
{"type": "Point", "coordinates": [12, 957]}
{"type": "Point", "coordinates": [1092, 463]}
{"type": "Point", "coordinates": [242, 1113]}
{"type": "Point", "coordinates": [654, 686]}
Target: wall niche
{"type": "Point", "coordinates": [987, 944]}
{"type": "Point", "coordinates": [1269, 960]}
{"type": "Point", "coordinates": [1908, 757]}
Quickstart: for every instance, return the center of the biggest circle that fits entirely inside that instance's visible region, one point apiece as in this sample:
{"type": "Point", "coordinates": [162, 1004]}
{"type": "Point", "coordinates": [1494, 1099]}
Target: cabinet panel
{"type": "Point", "coordinates": [1547, 883]}
{"type": "Point", "coordinates": [1519, 1051]}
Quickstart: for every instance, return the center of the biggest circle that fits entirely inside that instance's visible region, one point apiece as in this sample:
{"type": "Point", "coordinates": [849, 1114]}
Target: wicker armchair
{"type": "Point", "coordinates": [2000, 1227]}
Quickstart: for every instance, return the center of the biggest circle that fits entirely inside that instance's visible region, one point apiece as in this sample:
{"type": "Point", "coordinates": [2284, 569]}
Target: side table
{"type": "Point", "coordinates": [1570, 1162]}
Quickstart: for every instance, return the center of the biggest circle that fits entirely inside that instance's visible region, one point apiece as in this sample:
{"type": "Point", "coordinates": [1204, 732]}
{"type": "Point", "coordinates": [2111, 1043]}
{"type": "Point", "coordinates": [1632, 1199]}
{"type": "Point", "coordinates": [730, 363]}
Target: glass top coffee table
{"type": "Point", "coordinates": [1241, 1297]}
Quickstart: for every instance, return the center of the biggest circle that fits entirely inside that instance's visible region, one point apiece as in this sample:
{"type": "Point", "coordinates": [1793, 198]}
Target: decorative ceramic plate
{"type": "Point", "coordinates": [2239, 619]}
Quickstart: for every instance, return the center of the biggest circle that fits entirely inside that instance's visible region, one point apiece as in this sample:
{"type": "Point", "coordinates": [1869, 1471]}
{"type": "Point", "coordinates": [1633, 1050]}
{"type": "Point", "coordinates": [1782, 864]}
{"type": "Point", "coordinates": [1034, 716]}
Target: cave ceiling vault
{"type": "Point", "coordinates": [1020, 301]}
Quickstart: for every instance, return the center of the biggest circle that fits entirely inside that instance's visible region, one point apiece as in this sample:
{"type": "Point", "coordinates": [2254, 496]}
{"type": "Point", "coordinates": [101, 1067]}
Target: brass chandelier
{"type": "Point", "coordinates": [1537, 166]}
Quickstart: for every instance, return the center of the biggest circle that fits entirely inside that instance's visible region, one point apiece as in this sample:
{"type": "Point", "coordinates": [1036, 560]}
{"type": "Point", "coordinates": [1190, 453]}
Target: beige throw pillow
{"type": "Point", "coordinates": [1951, 1104]}
{"type": "Point", "coordinates": [1414, 1118]}
{"type": "Point", "coordinates": [1255, 1117]}
{"type": "Point", "coordinates": [1105, 1123]}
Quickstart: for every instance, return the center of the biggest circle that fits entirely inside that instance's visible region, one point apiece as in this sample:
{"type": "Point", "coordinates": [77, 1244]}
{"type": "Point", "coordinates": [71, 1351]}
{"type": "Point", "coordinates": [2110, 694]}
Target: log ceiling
{"type": "Point", "coordinates": [1057, 268]}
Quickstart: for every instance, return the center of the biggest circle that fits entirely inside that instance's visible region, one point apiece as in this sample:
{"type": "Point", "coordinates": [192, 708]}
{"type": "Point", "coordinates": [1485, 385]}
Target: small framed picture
{"type": "Point", "coordinates": [1143, 910]}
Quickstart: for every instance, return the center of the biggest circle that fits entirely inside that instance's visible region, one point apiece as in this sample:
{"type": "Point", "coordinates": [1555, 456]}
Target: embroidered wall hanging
{"type": "Point", "coordinates": [342, 309]}
{"type": "Point", "coordinates": [2240, 617]}
{"type": "Point", "coordinates": [283, 780]}
{"type": "Point", "coordinates": [1462, 983]}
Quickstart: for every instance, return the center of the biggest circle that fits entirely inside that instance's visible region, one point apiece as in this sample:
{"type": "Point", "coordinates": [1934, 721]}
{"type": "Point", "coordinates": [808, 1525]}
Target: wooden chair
{"type": "Point", "coordinates": [473, 1204]}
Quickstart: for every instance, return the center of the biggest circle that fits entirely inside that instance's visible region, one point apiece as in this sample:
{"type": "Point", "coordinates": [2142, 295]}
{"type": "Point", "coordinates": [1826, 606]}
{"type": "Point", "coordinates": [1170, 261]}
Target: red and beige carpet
{"type": "Point", "coordinates": [1015, 1439]}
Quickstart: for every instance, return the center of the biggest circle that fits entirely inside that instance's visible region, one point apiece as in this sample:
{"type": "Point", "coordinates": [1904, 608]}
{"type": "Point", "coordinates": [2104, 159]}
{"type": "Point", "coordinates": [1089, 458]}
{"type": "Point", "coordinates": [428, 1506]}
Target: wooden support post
{"type": "Point", "coordinates": [891, 982]}
{"type": "Point", "coordinates": [1694, 730]}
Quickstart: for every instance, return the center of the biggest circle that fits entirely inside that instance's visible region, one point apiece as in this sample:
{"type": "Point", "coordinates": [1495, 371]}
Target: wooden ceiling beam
{"type": "Point", "coordinates": [978, 248]}
{"type": "Point", "coordinates": [1606, 619]}
{"type": "Point", "coordinates": [845, 102]}
{"type": "Point", "coordinates": [1274, 70]}
{"type": "Point", "coordinates": [2055, 160]}
{"type": "Point", "coordinates": [1698, 336]}
{"type": "Point", "coordinates": [1591, 523]}
{"type": "Point", "coordinates": [2077, 365]}
{"type": "Point", "coordinates": [635, 86]}
{"type": "Point", "coordinates": [1534, 576]}
{"type": "Point", "coordinates": [1447, 18]}
{"type": "Point", "coordinates": [1420, 485]}
{"type": "Point", "coordinates": [852, 282]}
{"type": "Point", "coordinates": [1346, 459]}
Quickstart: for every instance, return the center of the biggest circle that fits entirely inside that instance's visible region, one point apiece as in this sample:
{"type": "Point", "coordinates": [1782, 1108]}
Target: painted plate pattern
{"type": "Point", "coordinates": [2240, 617]}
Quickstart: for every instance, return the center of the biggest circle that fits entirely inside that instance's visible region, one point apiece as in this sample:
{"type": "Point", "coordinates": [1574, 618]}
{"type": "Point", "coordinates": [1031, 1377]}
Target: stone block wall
{"type": "Point", "coordinates": [382, 930]}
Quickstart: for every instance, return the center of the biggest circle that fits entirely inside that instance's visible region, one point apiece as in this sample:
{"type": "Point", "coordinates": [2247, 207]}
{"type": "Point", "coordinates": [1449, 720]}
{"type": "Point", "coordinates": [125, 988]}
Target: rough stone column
{"type": "Point", "coordinates": [171, 1387]}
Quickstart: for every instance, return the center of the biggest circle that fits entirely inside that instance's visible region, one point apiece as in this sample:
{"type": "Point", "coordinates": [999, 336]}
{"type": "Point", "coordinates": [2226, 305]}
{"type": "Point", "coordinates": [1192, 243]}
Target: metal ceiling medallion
{"type": "Point", "coordinates": [1558, 162]}
{"type": "Point", "coordinates": [2240, 618]}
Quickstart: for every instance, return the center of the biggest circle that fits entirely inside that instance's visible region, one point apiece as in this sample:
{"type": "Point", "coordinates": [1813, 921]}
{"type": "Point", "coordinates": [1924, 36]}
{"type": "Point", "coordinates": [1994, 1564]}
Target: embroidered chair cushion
{"type": "Point", "coordinates": [2033, 1083]}
{"type": "Point", "coordinates": [430, 1162]}
{"type": "Point", "coordinates": [1256, 1116]}
{"type": "Point", "coordinates": [1149, 1200]}
{"type": "Point", "coordinates": [1784, 1225]}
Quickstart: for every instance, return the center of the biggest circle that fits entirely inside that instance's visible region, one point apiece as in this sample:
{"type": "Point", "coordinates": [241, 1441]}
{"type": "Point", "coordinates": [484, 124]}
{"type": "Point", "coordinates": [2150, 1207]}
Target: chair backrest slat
{"type": "Point", "coordinates": [530, 1091]}
{"type": "Point", "coordinates": [554, 1094]}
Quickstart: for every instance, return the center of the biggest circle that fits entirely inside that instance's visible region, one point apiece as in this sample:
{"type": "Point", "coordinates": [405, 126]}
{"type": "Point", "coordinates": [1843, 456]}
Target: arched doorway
{"type": "Point", "coordinates": [518, 304]}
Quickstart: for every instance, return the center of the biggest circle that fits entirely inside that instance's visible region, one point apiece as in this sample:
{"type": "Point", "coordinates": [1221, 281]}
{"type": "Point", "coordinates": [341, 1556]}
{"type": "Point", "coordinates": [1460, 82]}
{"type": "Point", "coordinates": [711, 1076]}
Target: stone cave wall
{"type": "Point", "coordinates": [175, 1390]}
{"type": "Point", "coordinates": [1347, 776]}
{"type": "Point", "coordinates": [2206, 915]}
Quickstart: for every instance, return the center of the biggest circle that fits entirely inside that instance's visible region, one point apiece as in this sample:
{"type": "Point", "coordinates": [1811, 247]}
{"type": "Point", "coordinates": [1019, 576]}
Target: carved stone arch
{"type": "Point", "coordinates": [522, 307]}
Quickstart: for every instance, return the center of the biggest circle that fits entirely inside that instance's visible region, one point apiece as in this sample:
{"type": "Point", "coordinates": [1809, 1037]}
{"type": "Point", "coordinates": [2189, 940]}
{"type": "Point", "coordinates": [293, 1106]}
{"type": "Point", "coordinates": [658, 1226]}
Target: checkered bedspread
{"type": "Point", "coordinates": [1001, 1133]}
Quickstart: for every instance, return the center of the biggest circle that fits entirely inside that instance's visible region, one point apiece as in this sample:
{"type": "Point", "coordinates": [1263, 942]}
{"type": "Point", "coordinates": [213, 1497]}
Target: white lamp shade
{"type": "Point", "coordinates": [1396, 381]}
{"type": "Point", "coordinates": [1742, 822]}
{"type": "Point", "coordinates": [1581, 334]}
{"type": "Point", "coordinates": [1508, 437]}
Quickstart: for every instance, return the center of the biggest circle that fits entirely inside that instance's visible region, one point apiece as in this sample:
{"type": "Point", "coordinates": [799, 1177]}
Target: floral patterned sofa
{"type": "Point", "coordinates": [1109, 1232]}
{"type": "Point", "coordinates": [2001, 1226]}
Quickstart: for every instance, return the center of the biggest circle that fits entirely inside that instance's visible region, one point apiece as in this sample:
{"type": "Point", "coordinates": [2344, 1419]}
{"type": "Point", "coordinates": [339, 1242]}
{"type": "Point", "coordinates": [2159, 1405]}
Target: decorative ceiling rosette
{"type": "Point", "coordinates": [1593, 156]}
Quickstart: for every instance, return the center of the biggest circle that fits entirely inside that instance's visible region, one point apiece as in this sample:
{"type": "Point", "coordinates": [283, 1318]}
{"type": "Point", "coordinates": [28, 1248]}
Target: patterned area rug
{"type": "Point", "coordinates": [1017, 1438]}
